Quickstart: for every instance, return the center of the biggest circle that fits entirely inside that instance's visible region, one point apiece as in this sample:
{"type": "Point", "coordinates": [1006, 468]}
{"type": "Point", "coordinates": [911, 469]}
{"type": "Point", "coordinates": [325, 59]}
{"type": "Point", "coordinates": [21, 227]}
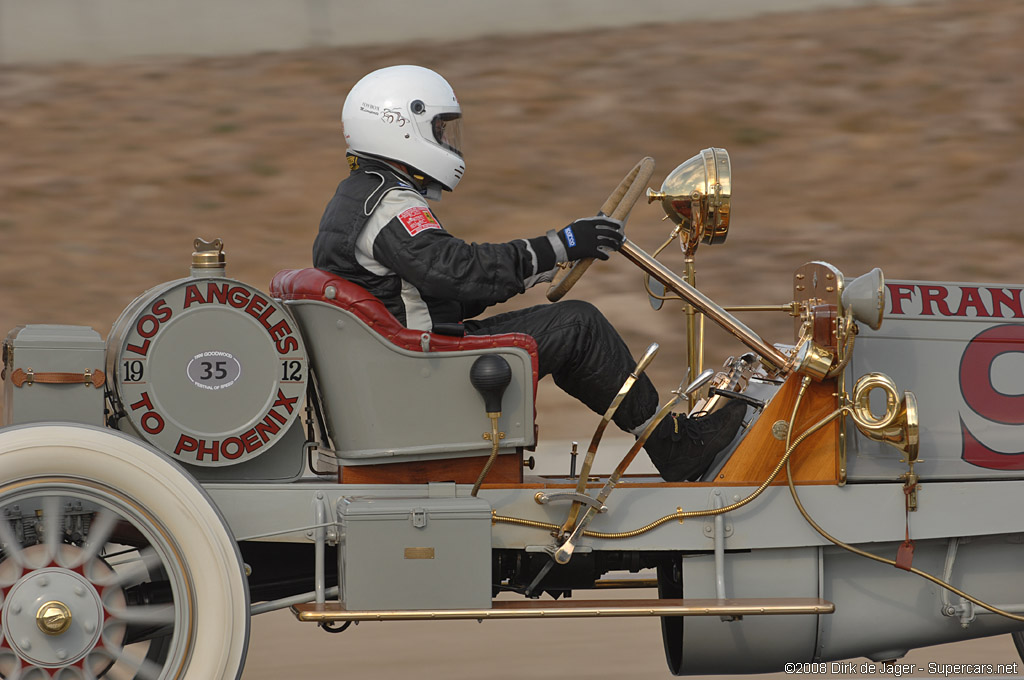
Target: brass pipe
{"type": "Point", "coordinates": [670, 279]}
{"type": "Point", "coordinates": [553, 528]}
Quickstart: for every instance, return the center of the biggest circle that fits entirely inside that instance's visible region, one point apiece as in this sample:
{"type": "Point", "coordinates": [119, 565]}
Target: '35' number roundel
{"type": "Point", "coordinates": [984, 399]}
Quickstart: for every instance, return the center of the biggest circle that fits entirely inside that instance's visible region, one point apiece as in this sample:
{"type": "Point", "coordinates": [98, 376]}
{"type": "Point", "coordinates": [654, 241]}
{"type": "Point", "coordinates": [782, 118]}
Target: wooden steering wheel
{"type": "Point", "coordinates": [618, 206]}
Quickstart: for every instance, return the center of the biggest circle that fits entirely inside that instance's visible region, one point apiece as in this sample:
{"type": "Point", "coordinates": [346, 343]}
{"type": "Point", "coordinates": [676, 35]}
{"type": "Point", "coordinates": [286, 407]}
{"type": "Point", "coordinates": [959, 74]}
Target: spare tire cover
{"type": "Point", "coordinates": [208, 370]}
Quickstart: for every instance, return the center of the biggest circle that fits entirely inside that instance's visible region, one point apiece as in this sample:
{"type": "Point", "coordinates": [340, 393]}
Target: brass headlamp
{"type": "Point", "coordinates": [697, 196]}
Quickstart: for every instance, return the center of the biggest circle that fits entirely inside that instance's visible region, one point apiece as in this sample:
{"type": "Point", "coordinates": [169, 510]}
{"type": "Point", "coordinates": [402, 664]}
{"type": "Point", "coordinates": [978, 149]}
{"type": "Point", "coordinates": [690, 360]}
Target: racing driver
{"type": "Point", "coordinates": [402, 127]}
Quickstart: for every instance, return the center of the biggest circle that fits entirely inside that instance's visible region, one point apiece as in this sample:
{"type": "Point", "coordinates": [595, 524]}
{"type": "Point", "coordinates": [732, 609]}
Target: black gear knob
{"type": "Point", "coordinates": [490, 376]}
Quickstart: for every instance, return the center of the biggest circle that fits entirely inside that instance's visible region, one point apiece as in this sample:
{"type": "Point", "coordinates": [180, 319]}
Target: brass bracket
{"type": "Point", "coordinates": [911, 485]}
{"type": "Point", "coordinates": [487, 436]}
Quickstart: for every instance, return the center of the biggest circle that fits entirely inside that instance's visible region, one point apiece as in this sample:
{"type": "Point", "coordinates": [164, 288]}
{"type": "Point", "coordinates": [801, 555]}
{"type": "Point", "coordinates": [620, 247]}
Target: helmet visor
{"type": "Point", "coordinates": [447, 131]}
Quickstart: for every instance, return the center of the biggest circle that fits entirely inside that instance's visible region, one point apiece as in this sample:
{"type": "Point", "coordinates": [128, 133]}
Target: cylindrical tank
{"type": "Point", "coordinates": [881, 611]}
{"type": "Point", "coordinates": [207, 369]}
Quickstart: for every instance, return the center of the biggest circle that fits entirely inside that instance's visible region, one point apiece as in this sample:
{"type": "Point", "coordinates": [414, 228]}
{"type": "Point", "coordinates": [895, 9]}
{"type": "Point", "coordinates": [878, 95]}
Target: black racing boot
{"type": "Point", "coordinates": [683, 448]}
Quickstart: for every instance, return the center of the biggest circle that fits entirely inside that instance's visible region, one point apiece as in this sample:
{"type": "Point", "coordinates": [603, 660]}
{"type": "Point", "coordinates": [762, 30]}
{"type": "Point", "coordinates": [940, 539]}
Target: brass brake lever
{"type": "Point", "coordinates": [588, 461]}
{"type": "Point", "coordinates": [564, 552]}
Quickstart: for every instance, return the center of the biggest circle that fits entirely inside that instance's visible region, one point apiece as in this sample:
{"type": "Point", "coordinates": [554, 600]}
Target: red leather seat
{"type": "Point", "coordinates": [313, 284]}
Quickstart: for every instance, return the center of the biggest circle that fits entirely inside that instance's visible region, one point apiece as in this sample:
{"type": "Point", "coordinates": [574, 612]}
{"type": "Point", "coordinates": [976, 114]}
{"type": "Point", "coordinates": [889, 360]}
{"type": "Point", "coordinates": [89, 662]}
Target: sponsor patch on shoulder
{"type": "Point", "coordinates": [416, 220]}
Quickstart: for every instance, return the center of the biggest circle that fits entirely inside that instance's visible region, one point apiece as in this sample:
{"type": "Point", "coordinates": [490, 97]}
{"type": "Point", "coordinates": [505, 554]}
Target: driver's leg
{"type": "Point", "coordinates": [588, 359]}
{"type": "Point", "coordinates": [584, 354]}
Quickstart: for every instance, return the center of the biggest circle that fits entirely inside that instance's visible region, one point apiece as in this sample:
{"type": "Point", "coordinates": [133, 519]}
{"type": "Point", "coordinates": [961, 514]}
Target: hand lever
{"type": "Point", "coordinates": [588, 462]}
{"type": "Point", "coordinates": [564, 552]}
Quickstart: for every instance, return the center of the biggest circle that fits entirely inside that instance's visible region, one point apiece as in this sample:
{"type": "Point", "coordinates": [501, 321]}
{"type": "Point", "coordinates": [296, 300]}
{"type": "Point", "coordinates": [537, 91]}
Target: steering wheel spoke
{"type": "Point", "coordinates": [618, 206]}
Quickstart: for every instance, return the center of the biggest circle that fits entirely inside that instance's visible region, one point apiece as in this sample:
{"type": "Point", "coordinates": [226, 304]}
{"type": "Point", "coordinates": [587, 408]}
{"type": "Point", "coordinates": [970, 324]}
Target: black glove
{"type": "Point", "coordinates": [587, 237]}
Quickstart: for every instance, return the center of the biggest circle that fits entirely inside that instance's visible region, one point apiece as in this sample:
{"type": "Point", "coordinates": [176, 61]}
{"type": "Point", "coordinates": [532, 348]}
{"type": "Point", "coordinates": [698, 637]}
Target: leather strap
{"type": "Point", "coordinates": [96, 378]}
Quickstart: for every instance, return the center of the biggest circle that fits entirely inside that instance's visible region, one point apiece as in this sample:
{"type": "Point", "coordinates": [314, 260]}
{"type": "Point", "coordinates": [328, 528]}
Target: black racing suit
{"type": "Point", "coordinates": [378, 231]}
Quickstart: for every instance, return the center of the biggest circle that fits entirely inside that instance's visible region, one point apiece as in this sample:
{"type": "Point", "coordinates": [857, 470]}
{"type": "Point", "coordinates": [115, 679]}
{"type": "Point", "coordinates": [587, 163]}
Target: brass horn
{"type": "Point", "coordinates": [899, 425]}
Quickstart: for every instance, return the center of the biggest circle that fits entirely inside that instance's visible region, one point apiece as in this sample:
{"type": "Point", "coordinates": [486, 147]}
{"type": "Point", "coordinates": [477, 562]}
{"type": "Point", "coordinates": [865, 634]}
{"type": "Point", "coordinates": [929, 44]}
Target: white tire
{"type": "Point", "coordinates": [89, 520]}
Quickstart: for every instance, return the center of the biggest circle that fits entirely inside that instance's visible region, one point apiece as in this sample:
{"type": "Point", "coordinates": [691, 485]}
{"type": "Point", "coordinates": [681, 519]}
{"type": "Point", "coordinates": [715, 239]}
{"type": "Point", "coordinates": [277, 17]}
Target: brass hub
{"type": "Point", "coordinates": [53, 618]}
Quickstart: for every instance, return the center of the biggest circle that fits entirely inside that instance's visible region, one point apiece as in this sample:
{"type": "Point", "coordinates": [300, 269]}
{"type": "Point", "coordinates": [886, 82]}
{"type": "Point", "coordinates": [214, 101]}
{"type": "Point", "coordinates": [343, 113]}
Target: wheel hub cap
{"type": "Point", "coordinates": [53, 618]}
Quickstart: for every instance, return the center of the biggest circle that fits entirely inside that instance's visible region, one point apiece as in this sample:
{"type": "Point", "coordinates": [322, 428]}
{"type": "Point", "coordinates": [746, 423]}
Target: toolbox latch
{"type": "Point", "coordinates": [419, 518]}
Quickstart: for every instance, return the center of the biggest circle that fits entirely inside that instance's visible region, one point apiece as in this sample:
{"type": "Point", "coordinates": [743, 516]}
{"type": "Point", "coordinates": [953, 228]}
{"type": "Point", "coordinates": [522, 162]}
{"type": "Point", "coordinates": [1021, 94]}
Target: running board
{"type": "Point", "coordinates": [331, 612]}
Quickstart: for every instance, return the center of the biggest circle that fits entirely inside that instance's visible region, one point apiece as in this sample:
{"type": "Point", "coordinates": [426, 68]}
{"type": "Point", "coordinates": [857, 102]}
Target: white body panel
{"type": "Point", "coordinates": [959, 347]}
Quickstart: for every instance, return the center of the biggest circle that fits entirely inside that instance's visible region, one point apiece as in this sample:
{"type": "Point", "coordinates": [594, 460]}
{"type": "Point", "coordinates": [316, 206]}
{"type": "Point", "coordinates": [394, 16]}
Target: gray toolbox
{"type": "Point", "coordinates": [53, 373]}
{"type": "Point", "coordinates": [415, 553]}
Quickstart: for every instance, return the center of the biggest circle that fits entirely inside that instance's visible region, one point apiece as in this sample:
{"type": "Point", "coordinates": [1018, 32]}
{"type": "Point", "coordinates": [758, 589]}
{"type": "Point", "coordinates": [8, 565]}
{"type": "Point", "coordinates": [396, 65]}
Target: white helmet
{"type": "Point", "coordinates": [407, 114]}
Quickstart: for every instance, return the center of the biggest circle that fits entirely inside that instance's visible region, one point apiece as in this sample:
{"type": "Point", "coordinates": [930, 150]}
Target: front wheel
{"type": "Point", "coordinates": [113, 563]}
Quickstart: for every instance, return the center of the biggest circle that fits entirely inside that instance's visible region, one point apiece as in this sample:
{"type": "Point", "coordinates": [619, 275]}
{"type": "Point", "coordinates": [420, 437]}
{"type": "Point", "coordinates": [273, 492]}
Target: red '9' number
{"type": "Point", "coordinates": [985, 400]}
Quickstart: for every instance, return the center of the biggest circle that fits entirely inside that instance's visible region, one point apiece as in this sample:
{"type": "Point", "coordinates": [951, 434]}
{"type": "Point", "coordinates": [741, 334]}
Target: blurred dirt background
{"type": "Point", "coordinates": [889, 137]}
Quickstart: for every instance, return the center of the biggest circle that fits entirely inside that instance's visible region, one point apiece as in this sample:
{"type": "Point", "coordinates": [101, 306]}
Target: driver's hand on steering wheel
{"type": "Point", "coordinates": [587, 237]}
